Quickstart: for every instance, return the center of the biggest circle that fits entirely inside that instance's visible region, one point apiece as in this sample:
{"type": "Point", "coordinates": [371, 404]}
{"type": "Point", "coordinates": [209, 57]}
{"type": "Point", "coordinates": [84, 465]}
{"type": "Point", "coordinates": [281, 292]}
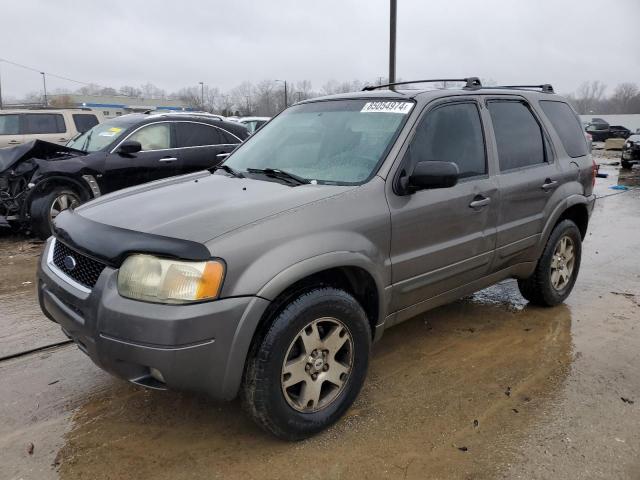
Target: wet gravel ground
{"type": "Point", "coordinates": [487, 387]}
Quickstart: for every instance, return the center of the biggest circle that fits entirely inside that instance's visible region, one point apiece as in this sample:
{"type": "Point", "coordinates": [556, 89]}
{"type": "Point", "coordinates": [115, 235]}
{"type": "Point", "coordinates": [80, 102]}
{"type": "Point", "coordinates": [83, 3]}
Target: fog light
{"type": "Point", "coordinates": [155, 373]}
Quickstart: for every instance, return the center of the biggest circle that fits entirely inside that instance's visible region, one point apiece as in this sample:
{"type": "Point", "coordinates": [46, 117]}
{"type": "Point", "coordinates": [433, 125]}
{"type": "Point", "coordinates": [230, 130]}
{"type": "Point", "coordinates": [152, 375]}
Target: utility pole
{"type": "Point", "coordinates": [0, 89]}
{"type": "Point", "coordinates": [44, 84]}
{"type": "Point", "coordinates": [248, 105]}
{"type": "Point", "coordinates": [392, 41]}
{"type": "Point", "coordinates": [285, 92]}
{"type": "Point", "coordinates": [202, 94]}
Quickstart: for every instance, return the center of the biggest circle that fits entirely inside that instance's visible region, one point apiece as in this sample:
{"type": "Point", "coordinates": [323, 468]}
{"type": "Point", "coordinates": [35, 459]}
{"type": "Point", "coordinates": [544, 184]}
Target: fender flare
{"type": "Point", "coordinates": [567, 203]}
{"type": "Point", "coordinates": [298, 271]}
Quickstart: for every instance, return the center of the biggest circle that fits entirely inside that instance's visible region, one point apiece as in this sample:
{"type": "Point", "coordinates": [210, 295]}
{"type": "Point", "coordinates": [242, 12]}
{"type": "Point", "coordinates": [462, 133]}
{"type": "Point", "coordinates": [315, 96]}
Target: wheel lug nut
{"type": "Point", "coordinates": [326, 367]}
{"type": "Point", "coordinates": [314, 376]}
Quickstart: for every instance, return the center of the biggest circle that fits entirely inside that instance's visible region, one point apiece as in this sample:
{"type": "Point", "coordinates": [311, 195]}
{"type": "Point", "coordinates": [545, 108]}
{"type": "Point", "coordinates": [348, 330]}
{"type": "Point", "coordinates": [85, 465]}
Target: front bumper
{"type": "Point", "coordinates": [198, 347]}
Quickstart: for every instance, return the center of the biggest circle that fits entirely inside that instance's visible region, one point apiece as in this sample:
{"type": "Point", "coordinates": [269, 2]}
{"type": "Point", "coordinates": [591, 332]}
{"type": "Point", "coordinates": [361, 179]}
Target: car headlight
{"type": "Point", "coordinates": [160, 280]}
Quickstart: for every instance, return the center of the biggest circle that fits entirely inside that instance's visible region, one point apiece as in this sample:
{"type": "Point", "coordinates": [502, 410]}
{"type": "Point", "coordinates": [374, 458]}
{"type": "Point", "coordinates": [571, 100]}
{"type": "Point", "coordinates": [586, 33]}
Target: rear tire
{"type": "Point", "coordinates": [309, 367]}
{"type": "Point", "coordinates": [557, 268]}
{"type": "Point", "coordinates": [46, 206]}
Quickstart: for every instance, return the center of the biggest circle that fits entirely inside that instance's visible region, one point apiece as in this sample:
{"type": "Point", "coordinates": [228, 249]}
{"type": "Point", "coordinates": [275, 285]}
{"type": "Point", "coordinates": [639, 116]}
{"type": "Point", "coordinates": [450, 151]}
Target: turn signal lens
{"type": "Point", "coordinates": [153, 279]}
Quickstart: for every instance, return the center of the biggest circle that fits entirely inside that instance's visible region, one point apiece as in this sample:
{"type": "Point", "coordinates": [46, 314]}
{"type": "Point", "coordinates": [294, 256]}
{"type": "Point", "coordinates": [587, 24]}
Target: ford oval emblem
{"type": "Point", "coordinates": [69, 262]}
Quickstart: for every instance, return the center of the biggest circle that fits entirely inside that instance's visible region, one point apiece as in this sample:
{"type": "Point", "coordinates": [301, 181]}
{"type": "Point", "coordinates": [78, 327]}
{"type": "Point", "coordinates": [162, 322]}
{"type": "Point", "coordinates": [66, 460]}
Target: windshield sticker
{"type": "Point", "coordinates": [107, 134]}
{"type": "Point", "coordinates": [387, 107]}
{"type": "Point", "coordinates": [115, 129]}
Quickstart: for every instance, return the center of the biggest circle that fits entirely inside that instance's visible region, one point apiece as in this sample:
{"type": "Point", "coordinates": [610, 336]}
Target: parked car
{"type": "Point", "coordinates": [56, 126]}
{"type": "Point", "coordinates": [253, 123]}
{"type": "Point", "coordinates": [272, 275]}
{"type": "Point", "coordinates": [601, 131]}
{"type": "Point", "coordinates": [631, 151]}
{"type": "Point", "coordinates": [39, 179]}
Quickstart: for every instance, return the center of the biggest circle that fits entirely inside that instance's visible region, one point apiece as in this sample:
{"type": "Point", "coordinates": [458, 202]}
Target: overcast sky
{"type": "Point", "coordinates": [180, 43]}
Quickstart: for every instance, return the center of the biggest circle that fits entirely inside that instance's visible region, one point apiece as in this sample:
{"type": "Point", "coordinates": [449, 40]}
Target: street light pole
{"type": "Point", "coordinates": [202, 94]}
{"type": "Point", "coordinates": [0, 89]}
{"type": "Point", "coordinates": [392, 41]}
{"type": "Point", "coordinates": [44, 84]}
{"type": "Point", "coordinates": [285, 92]}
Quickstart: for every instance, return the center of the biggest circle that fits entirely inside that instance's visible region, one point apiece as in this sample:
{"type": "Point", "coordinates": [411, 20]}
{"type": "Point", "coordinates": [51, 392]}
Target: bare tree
{"type": "Point", "coordinates": [589, 96]}
{"type": "Point", "coordinates": [621, 100]}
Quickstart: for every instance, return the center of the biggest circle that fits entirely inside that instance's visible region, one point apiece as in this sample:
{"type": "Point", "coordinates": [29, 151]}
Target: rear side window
{"type": "Point", "coordinates": [452, 133]}
{"type": "Point", "coordinates": [44, 123]}
{"type": "Point", "coordinates": [9, 124]}
{"type": "Point", "coordinates": [518, 134]}
{"type": "Point", "coordinates": [84, 121]}
{"type": "Point", "coordinates": [228, 137]}
{"type": "Point", "coordinates": [196, 135]}
{"type": "Point", "coordinates": [567, 125]}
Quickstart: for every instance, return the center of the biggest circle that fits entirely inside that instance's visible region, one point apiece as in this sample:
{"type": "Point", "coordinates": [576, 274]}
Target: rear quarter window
{"type": "Point", "coordinates": [566, 124]}
{"type": "Point", "coordinates": [9, 124]}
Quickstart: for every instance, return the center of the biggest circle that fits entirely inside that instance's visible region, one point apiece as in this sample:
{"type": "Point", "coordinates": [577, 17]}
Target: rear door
{"type": "Point", "coordinates": [444, 238]}
{"type": "Point", "coordinates": [158, 159]}
{"type": "Point", "coordinates": [10, 134]}
{"type": "Point", "coordinates": [527, 180]}
{"type": "Point", "coordinates": [50, 127]}
{"type": "Point", "coordinates": [202, 145]}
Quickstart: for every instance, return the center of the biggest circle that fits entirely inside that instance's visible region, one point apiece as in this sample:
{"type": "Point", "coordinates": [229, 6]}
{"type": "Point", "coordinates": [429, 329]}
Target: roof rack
{"type": "Point", "coordinates": [470, 82]}
{"type": "Point", "coordinates": [544, 88]}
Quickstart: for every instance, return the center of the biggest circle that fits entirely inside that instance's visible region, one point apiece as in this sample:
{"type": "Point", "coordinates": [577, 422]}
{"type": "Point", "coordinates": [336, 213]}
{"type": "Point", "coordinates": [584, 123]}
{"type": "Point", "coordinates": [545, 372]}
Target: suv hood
{"type": "Point", "coordinates": [201, 206]}
{"type": "Point", "coordinates": [9, 156]}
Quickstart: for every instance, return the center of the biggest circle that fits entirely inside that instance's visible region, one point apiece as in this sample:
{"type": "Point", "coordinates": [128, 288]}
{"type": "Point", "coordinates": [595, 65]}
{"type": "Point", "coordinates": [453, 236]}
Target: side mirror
{"type": "Point", "coordinates": [129, 147]}
{"type": "Point", "coordinates": [432, 174]}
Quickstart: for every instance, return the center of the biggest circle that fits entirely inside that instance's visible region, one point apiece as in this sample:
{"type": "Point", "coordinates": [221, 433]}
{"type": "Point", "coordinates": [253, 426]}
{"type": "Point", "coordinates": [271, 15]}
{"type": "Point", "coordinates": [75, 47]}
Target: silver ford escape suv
{"type": "Point", "coordinates": [271, 275]}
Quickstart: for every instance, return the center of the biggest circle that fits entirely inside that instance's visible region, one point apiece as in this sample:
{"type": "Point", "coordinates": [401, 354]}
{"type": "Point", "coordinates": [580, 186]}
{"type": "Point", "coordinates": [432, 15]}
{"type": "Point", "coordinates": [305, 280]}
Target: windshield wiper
{"type": "Point", "coordinates": [281, 174]}
{"type": "Point", "coordinates": [231, 171]}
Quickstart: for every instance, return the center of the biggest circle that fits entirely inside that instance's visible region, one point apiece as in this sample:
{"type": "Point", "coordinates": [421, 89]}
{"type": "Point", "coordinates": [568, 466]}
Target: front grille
{"type": "Point", "coordinates": [86, 270]}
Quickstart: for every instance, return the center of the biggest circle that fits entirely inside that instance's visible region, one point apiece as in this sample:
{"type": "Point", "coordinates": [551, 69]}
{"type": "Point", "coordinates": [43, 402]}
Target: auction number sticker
{"type": "Point", "coordinates": [387, 107]}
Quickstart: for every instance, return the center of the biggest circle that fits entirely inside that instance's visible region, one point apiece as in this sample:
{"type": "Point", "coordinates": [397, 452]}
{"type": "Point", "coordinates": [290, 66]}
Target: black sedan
{"type": "Point", "coordinates": [39, 179]}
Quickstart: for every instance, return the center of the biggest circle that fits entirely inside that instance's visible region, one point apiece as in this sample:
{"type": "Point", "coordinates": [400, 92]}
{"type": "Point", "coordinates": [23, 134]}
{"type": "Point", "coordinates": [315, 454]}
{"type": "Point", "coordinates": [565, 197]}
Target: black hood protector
{"type": "Point", "coordinates": [9, 156]}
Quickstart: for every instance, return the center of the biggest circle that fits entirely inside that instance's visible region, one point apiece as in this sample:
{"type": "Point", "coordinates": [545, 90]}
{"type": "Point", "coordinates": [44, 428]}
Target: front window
{"type": "Point", "coordinates": [331, 142]}
{"type": "Point", "coordinates": [100, 136]}
{"type": "Point", "coordinates": [153, 137]}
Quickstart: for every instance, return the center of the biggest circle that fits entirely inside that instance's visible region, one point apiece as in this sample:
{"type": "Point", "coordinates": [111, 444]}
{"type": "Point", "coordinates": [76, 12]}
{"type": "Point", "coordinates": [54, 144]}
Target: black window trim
{"type": "Point", "coordinates": [430, 107]}
{"type": "Point", "coordinates": [547, 144]}
{"type": "Point", "coordinates": [172, 122]}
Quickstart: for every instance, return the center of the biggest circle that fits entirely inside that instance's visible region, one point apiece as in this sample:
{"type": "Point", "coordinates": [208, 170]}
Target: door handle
{"type": "Point", "coordinates": [223, 155]}
{"type": "Point", "coordinates": [480, 201]}
{"type": "Point", "coordinates": [13, 142]}
{"type": "Point", "coordinates": [168, 159]}
{"type": "Point", "coordinates": [62, 139]}
{"type": "Point", "coordinates": [549, 184]}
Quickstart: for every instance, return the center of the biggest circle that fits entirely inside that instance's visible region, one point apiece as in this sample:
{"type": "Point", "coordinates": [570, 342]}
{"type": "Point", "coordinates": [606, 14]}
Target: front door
{"type": "Point", "coordinates": [158, 158]}
{"type": "Point", "coordinates": [444, 238]}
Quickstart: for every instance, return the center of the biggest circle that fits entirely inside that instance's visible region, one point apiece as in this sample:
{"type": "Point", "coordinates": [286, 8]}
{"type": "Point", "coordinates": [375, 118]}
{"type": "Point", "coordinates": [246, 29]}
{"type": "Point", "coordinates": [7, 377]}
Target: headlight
{"type": "Point", "coordinates": [153, 279]}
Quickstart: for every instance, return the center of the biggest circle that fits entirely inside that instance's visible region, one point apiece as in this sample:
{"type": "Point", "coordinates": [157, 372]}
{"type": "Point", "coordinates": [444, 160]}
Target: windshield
{"type": "Point", "coordinates": [332, 142]}
{"type": "Point", "coordinates": [100, 136]}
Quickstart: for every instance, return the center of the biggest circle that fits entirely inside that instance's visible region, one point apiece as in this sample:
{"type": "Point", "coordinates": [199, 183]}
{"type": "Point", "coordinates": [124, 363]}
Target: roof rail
{"type": "Point", "coordinates": [470, 82]}
{"type": "Point", "coordinates": [545, 87]}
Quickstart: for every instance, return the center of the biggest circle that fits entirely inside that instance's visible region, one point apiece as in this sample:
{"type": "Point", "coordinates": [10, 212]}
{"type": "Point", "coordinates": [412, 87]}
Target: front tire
{"type": "Point", "coordinates": [310, 365]}
{"type": "Point", "coordinates": [557, 268]}
{"type": "Point", "coordinates": [45, 207]}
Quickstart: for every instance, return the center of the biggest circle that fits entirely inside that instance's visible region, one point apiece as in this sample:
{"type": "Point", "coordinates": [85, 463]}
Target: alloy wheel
{"type": "Point", "coordinates": [317, 365]}
{"type": "Point", "coordinates": [562, 263]}
{"type": "Point", "coordinates": [62, 202]}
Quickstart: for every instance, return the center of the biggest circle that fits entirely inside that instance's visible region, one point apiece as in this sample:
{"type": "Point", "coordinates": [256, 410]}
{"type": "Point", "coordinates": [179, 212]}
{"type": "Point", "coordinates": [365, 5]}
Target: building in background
{"type": "Point", "coordinates": [114, 105]}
